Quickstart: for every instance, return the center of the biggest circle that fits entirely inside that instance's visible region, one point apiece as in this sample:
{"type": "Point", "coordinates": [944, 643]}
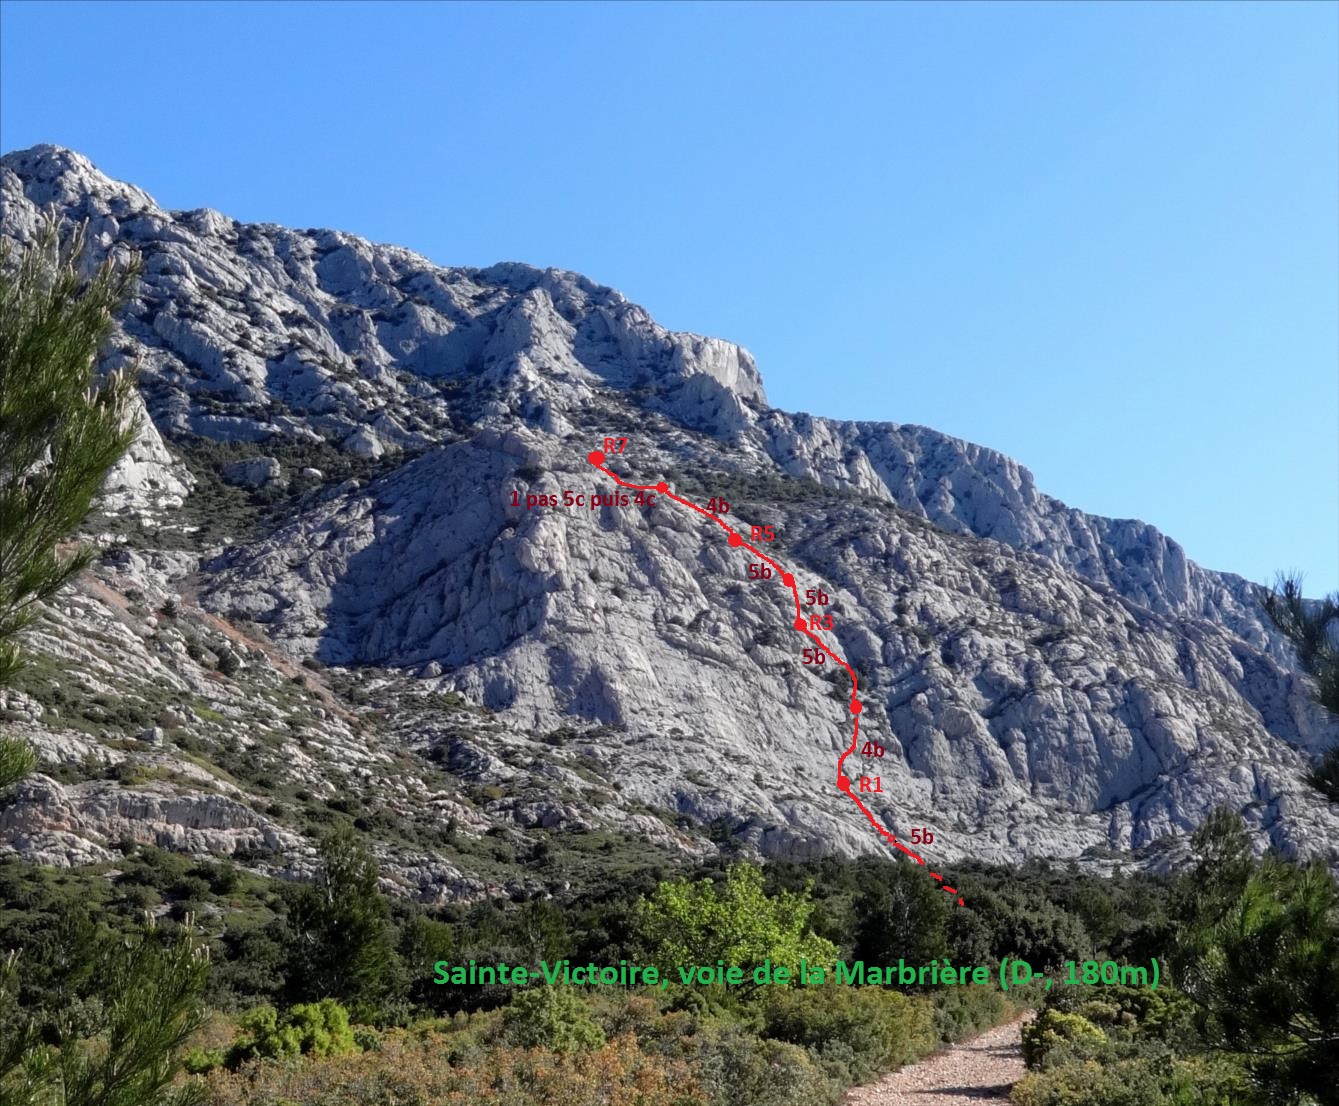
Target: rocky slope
{"type": "Point", "coordinates": [333, 474]}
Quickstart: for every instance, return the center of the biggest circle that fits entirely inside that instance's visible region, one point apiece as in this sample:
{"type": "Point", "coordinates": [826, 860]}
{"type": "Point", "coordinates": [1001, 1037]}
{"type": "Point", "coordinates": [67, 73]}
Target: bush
{"type": "Point", "coordinates": [222, 878]}
{"type": "Point", "coordinates": [735, 1068]}
{"type": "Point", "coordinates": [1138, 1081]}
{"type": "Point", "coordinates": [1054, 1027]}
{"type": "Point", "coordinates": [961, 1011]}
{"type": "Point", "coordinates": [1090, 1083]}
{"type": "Point", "coordinates": [367, 1038]}
{"type": "Point", "coordinates": [313, 1028]}
{"type": "Point", "coordinates": [553, 1018]}
{"type": "Point", "coordinates": [1210, 1081]}
{"type": "Point", "coordinates": [1324, 777]}
{"type": "Point", "coordinates": [1011, 922]}
{"type": "Point", "coordinates": [198, 1061]}
{"type": "Point", "coordinates": [687, 922]}
{"type": "Point", "coordinates": [877, 1029]}
{"type": "Point", "coordinates": [410, 1071]}
{"type": "Point", "coordinates": [1140, 1012]}
{"type": "Point", "coordinates": [731, 1065]}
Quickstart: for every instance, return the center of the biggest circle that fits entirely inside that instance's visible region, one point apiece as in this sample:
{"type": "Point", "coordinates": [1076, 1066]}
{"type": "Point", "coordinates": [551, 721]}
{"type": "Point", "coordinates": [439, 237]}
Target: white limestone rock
{"type": "Point", "coordinates": [102, 814]}
{"type": "Point", "coordinates": [255, 473]}
{"type": "Point", "coordinates": [1044, 682]}
{"type": "Point", "coordinates": [364, 443]}
{"type": "Point", "coordinates": [147, 480]}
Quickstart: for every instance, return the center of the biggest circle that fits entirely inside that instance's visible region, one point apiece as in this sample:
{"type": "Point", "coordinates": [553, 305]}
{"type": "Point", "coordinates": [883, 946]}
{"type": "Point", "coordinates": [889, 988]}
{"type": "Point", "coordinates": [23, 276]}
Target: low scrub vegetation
{"type": "Point", "coordinates": [324, 992]}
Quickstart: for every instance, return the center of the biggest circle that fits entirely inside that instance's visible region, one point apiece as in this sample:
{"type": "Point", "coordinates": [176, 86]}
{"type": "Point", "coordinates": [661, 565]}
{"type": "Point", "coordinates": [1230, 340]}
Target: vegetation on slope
{"type": "Point", "coordinates": [326, 991]}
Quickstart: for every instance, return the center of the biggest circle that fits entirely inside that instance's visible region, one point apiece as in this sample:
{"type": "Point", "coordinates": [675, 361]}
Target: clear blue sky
{"type": "Point", "coordinates": [1103, 239]}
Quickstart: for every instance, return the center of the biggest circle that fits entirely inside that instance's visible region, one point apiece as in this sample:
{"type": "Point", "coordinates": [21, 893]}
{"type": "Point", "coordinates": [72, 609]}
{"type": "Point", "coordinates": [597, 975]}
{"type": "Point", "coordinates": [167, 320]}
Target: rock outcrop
{"type": "Point", "coordinates": [1042, 682]}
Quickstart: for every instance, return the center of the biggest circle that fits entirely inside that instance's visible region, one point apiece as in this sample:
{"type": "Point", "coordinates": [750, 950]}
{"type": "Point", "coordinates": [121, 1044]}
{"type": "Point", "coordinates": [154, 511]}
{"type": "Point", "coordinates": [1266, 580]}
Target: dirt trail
{"type": "Point", "coordinates": [976, 1072]}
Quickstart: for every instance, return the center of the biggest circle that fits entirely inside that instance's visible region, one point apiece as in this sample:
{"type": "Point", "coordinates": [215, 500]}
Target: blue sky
{"type": "Point", "coordinates": [1101, 238]}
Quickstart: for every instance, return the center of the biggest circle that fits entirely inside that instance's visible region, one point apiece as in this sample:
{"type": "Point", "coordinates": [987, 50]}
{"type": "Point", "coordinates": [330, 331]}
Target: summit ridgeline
{"type": "Point", "coordinates": [357, 555]}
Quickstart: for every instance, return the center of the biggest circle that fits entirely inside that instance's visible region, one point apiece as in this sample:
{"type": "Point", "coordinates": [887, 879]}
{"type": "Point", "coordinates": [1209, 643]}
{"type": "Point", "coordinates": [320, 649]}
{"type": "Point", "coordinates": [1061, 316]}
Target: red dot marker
{"type": "Point", "coordinates": [844, 782]}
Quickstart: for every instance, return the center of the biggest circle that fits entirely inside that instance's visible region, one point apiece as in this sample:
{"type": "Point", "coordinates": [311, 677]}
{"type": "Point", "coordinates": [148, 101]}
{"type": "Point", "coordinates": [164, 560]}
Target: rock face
{"type": "Point", "coordinates": [252, 474]}
{"type": "Point", "coordinates": [1043, 682]}
{"type": "Point", "coordinates": [147, 481]}
{"type": "Point", "coordinates": [48, 816]}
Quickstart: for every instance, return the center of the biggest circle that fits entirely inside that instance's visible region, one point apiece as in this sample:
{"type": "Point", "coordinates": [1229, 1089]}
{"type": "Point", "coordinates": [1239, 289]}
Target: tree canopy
{"type": "Point", "coordinates": [689, 923]}
{"type": "Point", "coordinates": [61, 428]}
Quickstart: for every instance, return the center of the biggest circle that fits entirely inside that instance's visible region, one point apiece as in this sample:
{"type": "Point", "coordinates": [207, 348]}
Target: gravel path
{"type": "Point", "coordinates": [977, 1072]}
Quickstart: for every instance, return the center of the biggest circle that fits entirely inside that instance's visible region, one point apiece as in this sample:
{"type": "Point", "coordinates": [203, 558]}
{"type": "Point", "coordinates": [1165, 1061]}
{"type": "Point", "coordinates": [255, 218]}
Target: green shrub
{"type": "Point", "coordinates": [1324, 777]}
{"type": "Point", "coordinates": [1012, 921]}
{"type": "Point", "coordinates": [718, 1042]}
{"type": "Point", "coordinates": [1090, 1083]}
{"type": "Point", "coordinates": [734, 1068]}
{"type": "Point", "coordinates": [367, 1038]}
{"type": "Point", "coordinates": [553, 1018]}
{"type": "Point", "coordinates": [313, 1028]}
{"type": "Point", "coordinates": [961, 1011]}
{"type": "Point", "coordinates": [1162, 1015]}
{"type": "Point", "coordinates": [1158, 1080]}
{"type": "Point", "coordinates": [1054, 1027]}
{"type": "Point", "coordinates": [696, 922]}
{"type": "Point", "coordinates": [878, 1029]}
{"type": "Point", "coordinates": [1210, 1080]}
{"type": "Point", "coordinates": [198, 1061]}
{"type": "Point", "coordinates": [323, 1027]}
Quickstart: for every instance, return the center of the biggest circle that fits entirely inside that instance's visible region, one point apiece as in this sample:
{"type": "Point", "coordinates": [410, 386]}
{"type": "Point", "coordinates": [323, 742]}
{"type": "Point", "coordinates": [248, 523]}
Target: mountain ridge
{"type": "Point", "coordinates": [1048, 682]}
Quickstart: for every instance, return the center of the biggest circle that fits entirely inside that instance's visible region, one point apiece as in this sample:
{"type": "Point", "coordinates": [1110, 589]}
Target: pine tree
{"type": "Point", "coordinates": [16, 761]}
{"type": "Point", "coordinates": [1313, 629]}
{"type": "Point", "coordinates": [1258, 951]}
{"type": "Point", "coordinates": [61, 430]}
{"type": "Point", "coordinates": [127, 1053]}
{"type": "Point", "coordinates": [341, 939]}
{"type": "Point", "coordinates": [899, 914]}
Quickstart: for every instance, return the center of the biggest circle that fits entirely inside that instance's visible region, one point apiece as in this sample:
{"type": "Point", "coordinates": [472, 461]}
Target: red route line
{"type": "Point", "coordinates": [735, 539]}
